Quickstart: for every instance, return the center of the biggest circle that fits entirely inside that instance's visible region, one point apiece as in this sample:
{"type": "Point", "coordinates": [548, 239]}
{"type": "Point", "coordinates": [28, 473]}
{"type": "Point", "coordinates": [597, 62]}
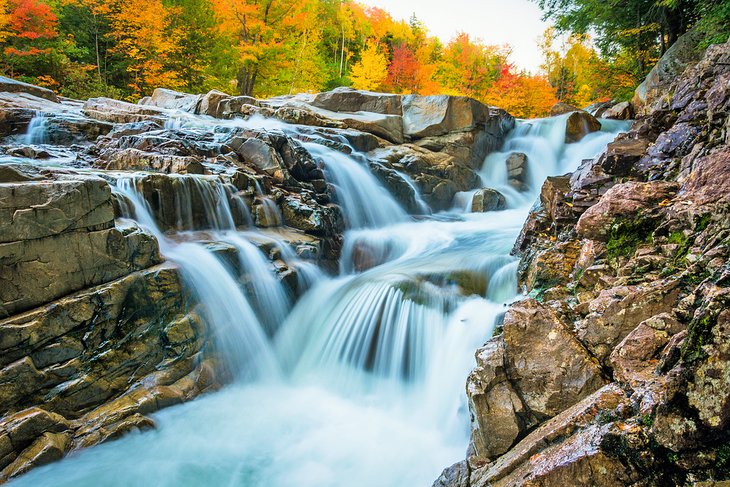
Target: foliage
{"type": "Point", "coordinates": [126, 48]}
{"type": "Point", "coordinates": [371, 71]}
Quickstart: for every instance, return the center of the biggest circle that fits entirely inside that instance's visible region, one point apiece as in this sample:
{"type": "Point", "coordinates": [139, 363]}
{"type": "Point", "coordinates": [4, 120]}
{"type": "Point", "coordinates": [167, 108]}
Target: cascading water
{"type": "Point", "coordinates": [37, 132]}
{"type": "Point", "coordinates": [362, 382]}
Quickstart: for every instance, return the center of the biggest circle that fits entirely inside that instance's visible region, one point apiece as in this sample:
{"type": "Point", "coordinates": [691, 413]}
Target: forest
{"type": "Point", "coordinates": [597, 50]}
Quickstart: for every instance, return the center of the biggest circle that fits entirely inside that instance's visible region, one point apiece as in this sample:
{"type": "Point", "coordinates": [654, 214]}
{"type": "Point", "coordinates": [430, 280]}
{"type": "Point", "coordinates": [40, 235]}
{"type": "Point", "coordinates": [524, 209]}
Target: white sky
{"type": "Point", "coordinates": [514, 22]}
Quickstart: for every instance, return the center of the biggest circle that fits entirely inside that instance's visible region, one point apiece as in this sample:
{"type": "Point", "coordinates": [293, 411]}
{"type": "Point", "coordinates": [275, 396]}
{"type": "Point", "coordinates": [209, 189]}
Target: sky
{"type": "Point", "coordinates": [515, 22]}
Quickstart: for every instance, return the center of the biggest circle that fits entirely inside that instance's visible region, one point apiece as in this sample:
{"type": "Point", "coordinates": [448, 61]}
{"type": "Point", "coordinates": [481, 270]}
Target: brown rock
{"type": "Point", "coordinates": [46, 449]}
{"type": "Point", "coordinates": [345, 99]}
{"type": "Point", "coordinates": [487, 199]}
{"type": "Point", "coordinates": [547, 366]}
{"type": "Point", "coordinates": [708, 181]}
{"type": "Point", "coordinates": [561, 108]}
{"type": "Point", "coordinates": [620, 111]}
{"type": "Point", "coordinates": [579, 124]}
{"type": "Point", "coordinates": [623, 201]}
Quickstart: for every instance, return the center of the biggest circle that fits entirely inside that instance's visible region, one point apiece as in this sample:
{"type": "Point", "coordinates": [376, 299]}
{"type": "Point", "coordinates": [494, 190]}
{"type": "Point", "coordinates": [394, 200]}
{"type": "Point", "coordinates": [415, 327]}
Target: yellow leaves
{"type": "Point", "coordinates": [371, 71]}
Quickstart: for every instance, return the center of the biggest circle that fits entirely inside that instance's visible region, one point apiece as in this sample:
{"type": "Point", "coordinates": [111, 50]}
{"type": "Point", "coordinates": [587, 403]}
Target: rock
{"type": "Point", "coordinates": [622, 202]}
{"type": "Point", "coordinates": [25, 426]}
{"type": "Point", "coordinates": [635, 359]}
{"type": "Point", "coordinates": [345, 99]}
{"type": "Point", "coordinates": [10, 85]}
{"type": "Point", "coordinates": [707, 182]}
{"type": "Point", "coordinates": [620, 111]}
{"type": "Point", "coordinates": [545, 363]}
{"type": "Point", "coordinates": [621, 155]}
{"type": "Point", "coordinates": [652, 93]}
{"type": "Point", "coordinates": [498, 416]}
{"type": "Point", "coordinates": [235, 105]}
{"type": "Point", "coordinates": [456, 475]}
{"type": "Point", "coordinates": [210, 103]}
{"type": "Point", "coordinates": [115, 111]}
{"type": "Point", "coordinates": [578, 125]}
{"type": "Point", "coordinates": [561, 108]}
{"type": "Point", "coordinates": [553, 266]}
{"type": "Point", "coordinates": [137, 160]}
{"type": "Point", "coordinates": [616, 312]}
{"type": "Point", "coordinates": [308, 216]}
{"type": "Point", "coordinates": [34, 210]}
{"type": "Point", "coordinates": [428, 116]}
{"type": "Point", "coordinates": [532, 451]}
{"type": "Point", "coordinates": [172, 100]}
{"type": "Point", "coordinates": [48, 448]}
{"type": "Point", "coordinates": [517, 170]}
{"type": "Point", "coordinates": [487, 199]}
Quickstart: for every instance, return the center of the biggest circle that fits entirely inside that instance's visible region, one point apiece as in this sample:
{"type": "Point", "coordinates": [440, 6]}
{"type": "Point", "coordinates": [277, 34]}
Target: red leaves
{"type": "Point", "coordinates": [32, 19]}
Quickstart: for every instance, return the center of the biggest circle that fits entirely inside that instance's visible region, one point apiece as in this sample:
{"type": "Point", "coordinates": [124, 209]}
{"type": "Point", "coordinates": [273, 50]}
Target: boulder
{"type": "Point", "coordinates": [115, 111]}
{"type": "Point", "coordinates": [39, 209]}
{"type": "Point", "coordinates": [210, 103]}
{"type": "Point", "coordinates": [10, 85]}
{"type": "Point", "coordinates": [708, 181]}
{"type": "Point", "coordinates": [428, 116]}
{"type": "Point", "coordinates": [517, 170]}
{"type": "Point", "coordinates": [487, 199]}
{"type": "Point", "coordinates": [620, 111]}
{"type": "Point", "coordinates": [579, 124]}
{"type": "Point", "coordinates": [46, 449]}
{"type": "Point", "coordinates": [172, 100]}
{"type": "Point", "coordinates": [561, 108]}
{"type": "Point", "coordinates": [346, 99]}
{"type": "Point", "coordinates": [622, 202]}
{"type": "Point", "coordinates": [546, 365]}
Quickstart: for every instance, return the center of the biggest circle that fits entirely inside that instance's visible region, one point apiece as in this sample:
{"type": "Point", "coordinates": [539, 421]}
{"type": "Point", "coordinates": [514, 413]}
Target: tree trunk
{"type": "Point", "coordinates": [246, 79]}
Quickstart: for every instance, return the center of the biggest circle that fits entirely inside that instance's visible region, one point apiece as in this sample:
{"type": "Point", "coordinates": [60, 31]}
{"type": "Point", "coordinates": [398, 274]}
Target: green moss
{"type": "Point", "coordinates": [698, 334]}
{"type": "Point", "coordinates": [647, 420]}
{"type": "Point", "coordinates": [702, 222]}
{"type": "Point", "coordinates": [723, 456]}
{"type": "Point", "coordinates": [626, 236]}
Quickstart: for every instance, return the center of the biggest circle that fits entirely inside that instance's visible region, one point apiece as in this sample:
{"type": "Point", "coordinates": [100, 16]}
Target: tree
{"type": "Point", "coordinates": [27, 25]}
{"type": "Point", "coordinates": [521, 95]}
{"type": "Point", "coordinates": [372, 70]}
{"type": "Point", "coordinates": [469, 68]}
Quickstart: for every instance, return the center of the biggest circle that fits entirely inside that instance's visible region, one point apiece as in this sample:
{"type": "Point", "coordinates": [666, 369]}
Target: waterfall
{"type": "Point", "coordinates": [37, 132]}
{"type": "Point", "coordinates": [239, 335]}
{"type": "Point", "coordinates": [359, 383]}
{"type": "Point", "coordinates": [364, 201]}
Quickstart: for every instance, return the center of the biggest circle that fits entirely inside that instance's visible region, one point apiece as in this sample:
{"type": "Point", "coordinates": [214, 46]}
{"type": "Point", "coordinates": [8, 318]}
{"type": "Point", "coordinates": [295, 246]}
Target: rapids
{"type": "Point", "coordinates": [361, 381]}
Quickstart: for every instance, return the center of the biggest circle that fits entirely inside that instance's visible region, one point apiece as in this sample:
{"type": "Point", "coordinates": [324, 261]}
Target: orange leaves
{"type": "Point", "coordinates": [523, 96]}
{"type": "Point", "coordinates": [31, 19]}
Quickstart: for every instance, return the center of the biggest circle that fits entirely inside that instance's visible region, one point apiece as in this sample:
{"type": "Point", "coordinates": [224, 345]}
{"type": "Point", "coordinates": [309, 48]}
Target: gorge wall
{"type": "Point", "coordinates": [616, 369]}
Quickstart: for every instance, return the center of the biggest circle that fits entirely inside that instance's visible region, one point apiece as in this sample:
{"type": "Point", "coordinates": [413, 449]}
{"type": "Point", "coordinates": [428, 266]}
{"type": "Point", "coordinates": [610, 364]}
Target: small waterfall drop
{"type": "Point", "coordinates": [37, 132]}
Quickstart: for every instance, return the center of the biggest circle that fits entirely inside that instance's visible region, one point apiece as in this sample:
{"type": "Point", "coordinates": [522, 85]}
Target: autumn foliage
{"type": "Point", "coordinates": [126, 48]}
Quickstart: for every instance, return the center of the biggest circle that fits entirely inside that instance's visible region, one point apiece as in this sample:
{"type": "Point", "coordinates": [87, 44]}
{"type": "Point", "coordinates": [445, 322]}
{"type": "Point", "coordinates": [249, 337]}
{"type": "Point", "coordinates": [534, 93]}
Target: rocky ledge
{"type": "Point", "coordinates": [616, 369]}
{"type": "Point", "coordinates": [97, 329]}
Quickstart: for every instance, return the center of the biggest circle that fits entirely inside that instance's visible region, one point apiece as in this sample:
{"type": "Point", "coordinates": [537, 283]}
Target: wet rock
{"type": "Point", "coordinates": [561, 108]}
{"type": "Point", "coordinates": [622, 202]}
{"type": "Point", "coordinates": [650, 94]}
{"type": "Point", "coordinates": [621, 155]}
{"type": "Point", "coordinates": [428, 116]}
{"type": "Point", "coordinates": [24, 427]}
{"type": "Point", "coordinates": [115, 111]}
{"type": "Point", "coordinates": [137, 160]}
{"type": "Point", "coordinates": [568, 428]}
{"type": "Point", "coordinates": [456, 475]}
{"type": "Point", "coordinates": [10, 85]}
{"type": "Point", "coordinates": [517, 170]}
{"type": "Point", "coordinates": [487, 199]}
{"type": "Point", "coordinates": [349, 100]}
{"type": "Point", "coordinates": [46, 449]}
{"type": "Point", "coordinates": [620, 111]}
{"type": "Point", "coordinates": [579, 124]}
{"type": "Point", "coordinates": [210, 103]}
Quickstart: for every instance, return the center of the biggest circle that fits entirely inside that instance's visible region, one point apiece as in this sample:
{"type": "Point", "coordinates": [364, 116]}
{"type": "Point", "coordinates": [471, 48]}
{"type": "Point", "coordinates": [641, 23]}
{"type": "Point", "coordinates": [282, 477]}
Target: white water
{"type": "Point", "coordinates": [37, 131]}
{"type": "Point", "coordinates": [363, 382]}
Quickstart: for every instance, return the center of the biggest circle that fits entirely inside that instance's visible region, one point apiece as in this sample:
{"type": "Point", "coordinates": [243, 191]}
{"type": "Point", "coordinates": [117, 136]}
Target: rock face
{"type": "Point", "coordinates": [616, 371]}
